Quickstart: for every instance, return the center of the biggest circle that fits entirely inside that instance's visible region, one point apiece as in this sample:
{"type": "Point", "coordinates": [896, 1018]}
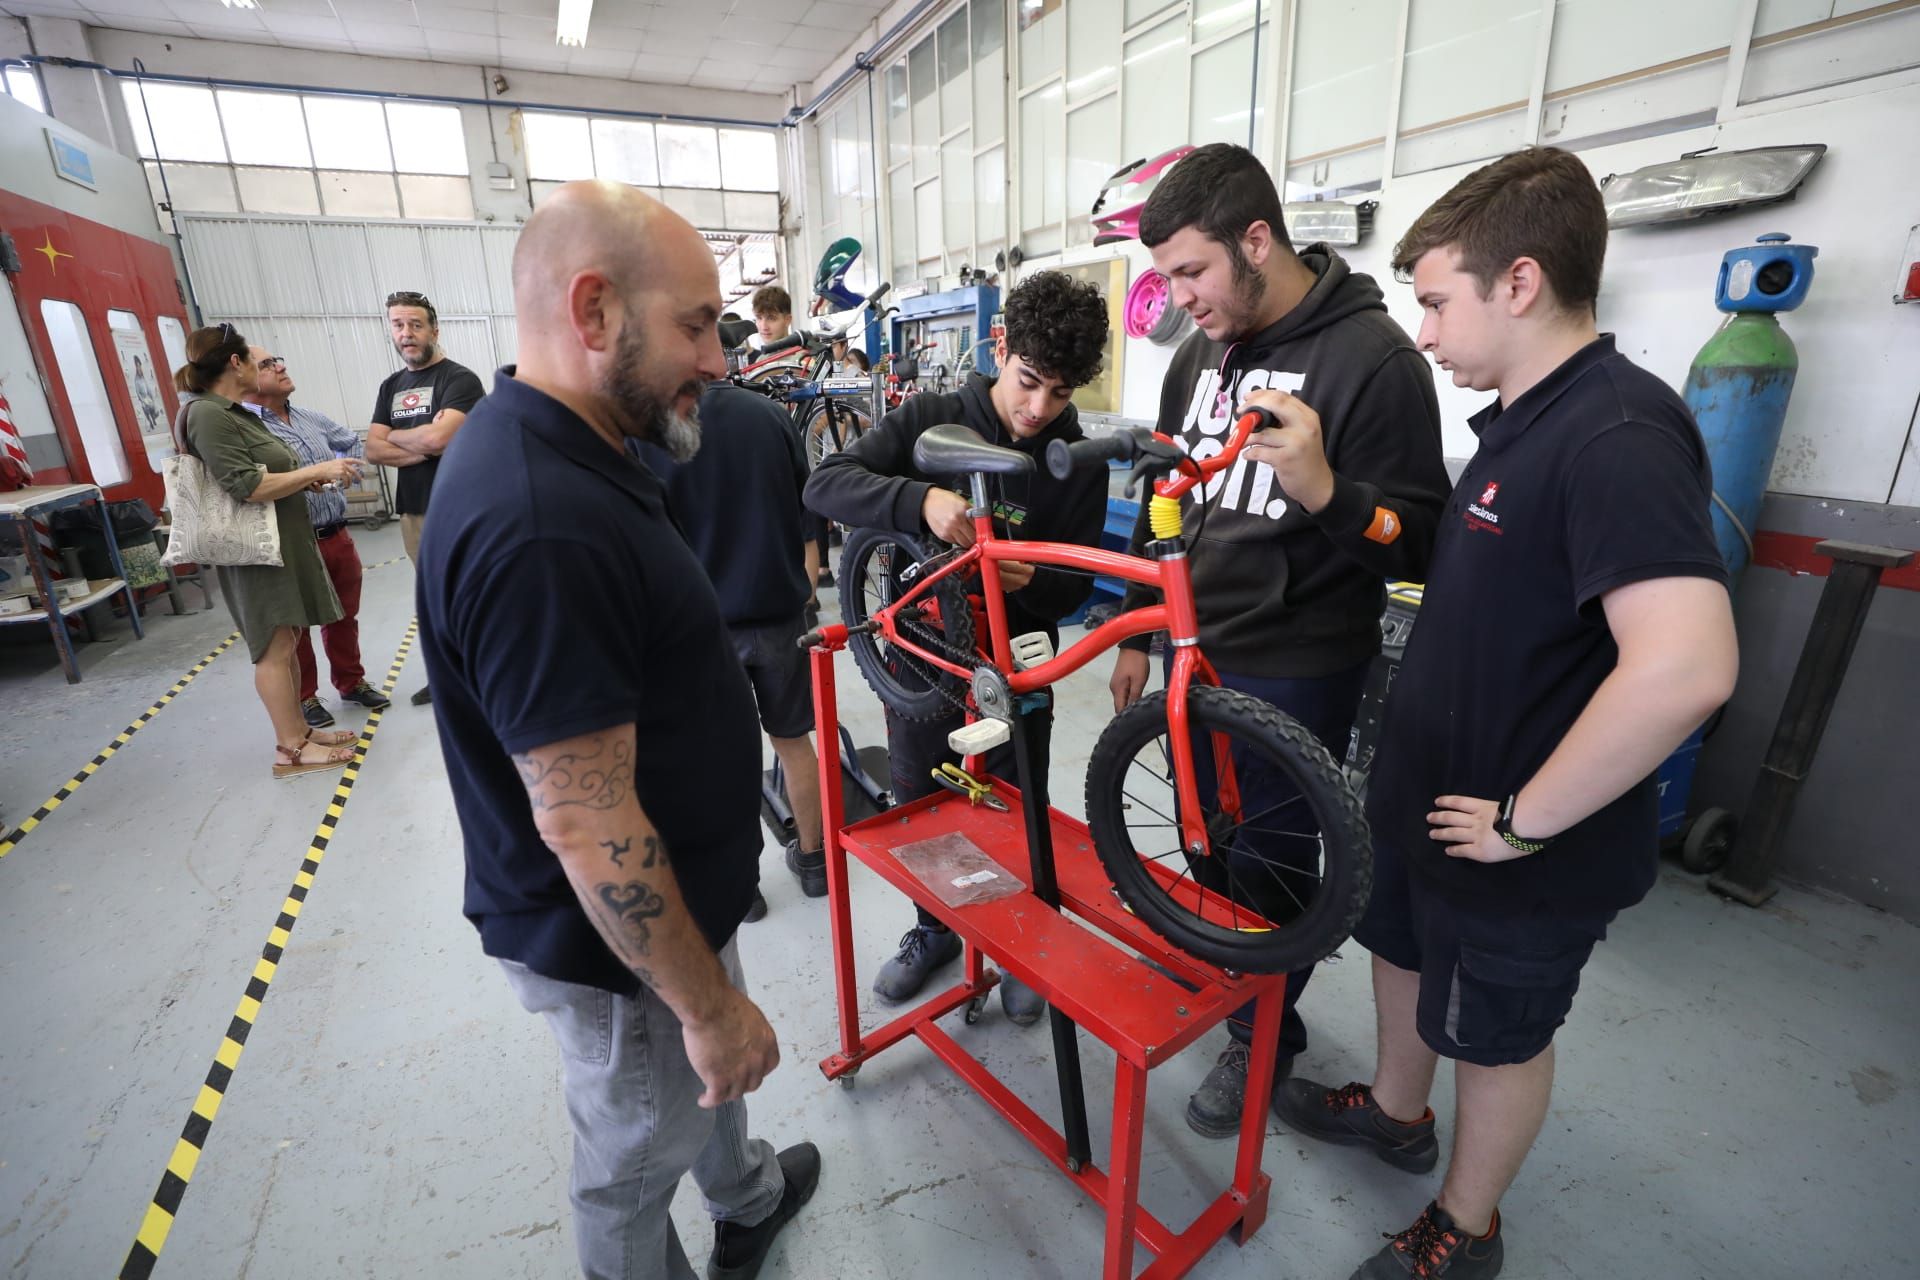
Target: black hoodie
{"type": "Point", "coordinates": [1282, 593]}
{"type": "Point", "coordinates": [873, 484]}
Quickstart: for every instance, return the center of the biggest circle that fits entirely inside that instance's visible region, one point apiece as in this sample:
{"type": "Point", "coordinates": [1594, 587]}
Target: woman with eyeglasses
{"type": "Point", "coordinates": [271, 604]}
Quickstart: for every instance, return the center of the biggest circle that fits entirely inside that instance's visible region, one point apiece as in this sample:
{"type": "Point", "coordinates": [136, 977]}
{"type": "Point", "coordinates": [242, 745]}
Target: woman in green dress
{"type": "Point", "coordinates": [271, 604]}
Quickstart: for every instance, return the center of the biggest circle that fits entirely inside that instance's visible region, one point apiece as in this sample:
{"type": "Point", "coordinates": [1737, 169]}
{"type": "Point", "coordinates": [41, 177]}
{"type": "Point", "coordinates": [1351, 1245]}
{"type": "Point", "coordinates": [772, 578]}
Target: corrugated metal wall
{"type": "Point", "coordinates": [314, 290]}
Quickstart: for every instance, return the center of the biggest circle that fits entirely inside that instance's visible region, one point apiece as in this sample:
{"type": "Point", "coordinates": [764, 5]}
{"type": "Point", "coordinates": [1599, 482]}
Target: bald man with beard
{"type": "Point", "coordinates": [600, 737]}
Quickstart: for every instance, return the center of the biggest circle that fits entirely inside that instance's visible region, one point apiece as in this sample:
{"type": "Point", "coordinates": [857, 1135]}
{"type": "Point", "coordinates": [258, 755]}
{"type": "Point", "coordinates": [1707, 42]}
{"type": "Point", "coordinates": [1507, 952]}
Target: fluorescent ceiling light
{"type": "Point", "coordinates": [1699, 184]}
{"type": "Point", "coordinates": [571, 27]}
{"type": "Point", "coordinates": [1332, 221]}
{"type": "Point", "coordinates": [241, 4]}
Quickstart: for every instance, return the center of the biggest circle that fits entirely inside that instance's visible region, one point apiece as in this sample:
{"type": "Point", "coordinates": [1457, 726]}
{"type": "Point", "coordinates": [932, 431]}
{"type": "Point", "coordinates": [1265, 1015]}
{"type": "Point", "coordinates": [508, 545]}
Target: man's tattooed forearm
{"type": "Point", "coordinates": [633, 905]}
{"type": "Point", "coordinates": [599, 776]}
{"type": "Point", "coordinates": [617, 849]}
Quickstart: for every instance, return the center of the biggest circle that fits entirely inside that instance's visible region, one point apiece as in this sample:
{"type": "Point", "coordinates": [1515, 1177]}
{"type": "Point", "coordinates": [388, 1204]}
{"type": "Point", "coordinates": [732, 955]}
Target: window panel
{"type": "Point", "coordinates": [1887, 41]}
{"type": "Point", "coordinates": [623, 152]}
{"type": "Point", "coordinates": [277, 190]}
{"type": "Point", "coordinates": [173, 338]}
{"type": "Point", "coordinates": [689, 156]}
{"type": "Point", "coordinates": [987, 27]}
{"type": "Point", "coordinates": [352, 194]}
{"type": "Point", "coordinates": [900, 204]}
{"type": "Point", "coordinates": [750, 211]}
{"type": "Point", "coordinates": [1213, 18]}
{"type": "Point", "coordinates": [749, 160]}
{"type": "Point", "coordinates": [702, 207]}
{"type": "Point", "coordinates": [186, 124]}
{"type": "Point", "coordinates": [990, 203]}
{"type": "Point", "coordinates": [955, 87]}
{"type": "Point", "coordinates": [1222, 91]}
{"type": "Point", "coordinates": [926, 110]}
{"type": "Point", "coordinates": [427, 138]}
{"type": "Point", "coordinates": [265, 128]}
{"type": "Point", "coordinates": [1043, 35]}
{"type": "Point", "coordinates": [348, 133]}
{"type": "Point", "coordinates": [1042, 177]}
{"type": "Point", "coordinates": [200, 188]}
{"type": "Point", "coordinates": [558, 147]}
{"type": "Point", "coordinates": [956, 191]}
{"type": "Point", "coordinates": [1598, 39]}
{"type": "Point", "coordinates": [899, 132]}
{"type": "Point", "coordinates": [86, 393]}
{"type": "Point", "coordinates": [1154, 76]}
{"type": "Point", "coordinates": [23, 86]}
{"type": "Point", "coordinates": [1342, 80]}
{"type": "Point", "coordinates": [1093, 139]}
{"type": "Point", "coordinates": [1138, 11]}
{"type": "Point", "coordinates": [430, 195]}
{"type": "Point", "coordinates": [928, 233]}
{"type": "Point", "coordinates": [1093, 58]}
{"type": "Point", "coordinates": [1466, 84]}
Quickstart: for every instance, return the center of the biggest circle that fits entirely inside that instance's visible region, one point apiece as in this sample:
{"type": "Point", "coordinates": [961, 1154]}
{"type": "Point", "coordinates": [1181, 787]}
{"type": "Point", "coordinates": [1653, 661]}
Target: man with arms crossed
{"type": "Point", "coordinates": [1576, 629]}
{"type": "Point", "coordinates": [416, 413]}
{"type": "Point", "coordinates": [600, 739]}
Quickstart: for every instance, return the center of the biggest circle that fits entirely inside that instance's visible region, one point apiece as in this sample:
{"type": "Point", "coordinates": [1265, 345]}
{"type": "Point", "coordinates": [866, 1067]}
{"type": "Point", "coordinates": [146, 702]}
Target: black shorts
{"type": "Point", "coordinates": [1494, 987]}
{"type": "Point", "coordinates": [777, 669]}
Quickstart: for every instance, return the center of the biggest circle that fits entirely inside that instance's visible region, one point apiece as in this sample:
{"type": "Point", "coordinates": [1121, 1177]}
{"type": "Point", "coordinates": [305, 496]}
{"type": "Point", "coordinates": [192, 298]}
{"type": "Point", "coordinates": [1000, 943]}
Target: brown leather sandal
{"type": "Point", "coordinates": [332, 737]}
{"type": "Point", "coordinates": [291, 762]}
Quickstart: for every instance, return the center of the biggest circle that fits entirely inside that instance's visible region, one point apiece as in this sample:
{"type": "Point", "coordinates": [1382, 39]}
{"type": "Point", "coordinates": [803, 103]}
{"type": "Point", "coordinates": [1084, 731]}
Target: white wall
{"type": "Point", "coordinates": [1859, 377]}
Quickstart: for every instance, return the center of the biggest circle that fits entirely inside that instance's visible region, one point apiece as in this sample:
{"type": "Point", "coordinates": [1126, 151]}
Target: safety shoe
{"type": "Point", "coordinates": [1020, 1002]}
{"type": "Point", "coordinates": [316, 713]}
{"type": "Point", "coordinates": [367, 696]}
{"type": "Point", "coordinates": [1215, 1108]}
{"type": "Point", "coordinates": [923, 949]}
{"type": "Point", "coordinates": [809, 868]}
{"type": "Point", "coordinates": [756, 910]}
{"type": "Point", "coordinates": [1435, 1248]}
{"type": "Point", "coordinates": [421, 696]}
{"type": "Point", "coordinates": [739, 1252]}
{"type": "Point", "coordinates": [1349, 1116]}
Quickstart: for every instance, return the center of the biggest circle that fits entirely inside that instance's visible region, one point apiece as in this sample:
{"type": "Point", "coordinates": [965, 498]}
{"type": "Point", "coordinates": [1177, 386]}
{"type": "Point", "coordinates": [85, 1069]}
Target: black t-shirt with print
{"type": "Point", "coordinates": [1593, 479]}
{"type": "Point", "coordinates": [409, 398]}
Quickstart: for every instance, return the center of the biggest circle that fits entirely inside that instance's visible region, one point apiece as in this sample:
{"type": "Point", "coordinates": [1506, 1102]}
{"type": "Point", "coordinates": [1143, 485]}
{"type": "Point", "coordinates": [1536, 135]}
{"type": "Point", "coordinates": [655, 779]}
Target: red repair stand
{"type": "Point", "coordinates": [1107, 989]}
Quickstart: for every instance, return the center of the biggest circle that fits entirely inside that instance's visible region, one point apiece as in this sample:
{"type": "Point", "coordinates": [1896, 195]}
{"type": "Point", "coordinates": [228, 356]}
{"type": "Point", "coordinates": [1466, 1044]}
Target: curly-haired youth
{"type": "Point", "coordinates": [1057, 325]}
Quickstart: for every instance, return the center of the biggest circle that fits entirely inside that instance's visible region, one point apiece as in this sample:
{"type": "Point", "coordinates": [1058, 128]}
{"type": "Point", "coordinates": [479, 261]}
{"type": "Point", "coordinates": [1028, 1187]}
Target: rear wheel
{"type": "Point", "coordinates": [829, 429]}
{"type": "Point", "coordinates": [871, 565]}
{"type": "Point", "coordinates": [1289, 867]}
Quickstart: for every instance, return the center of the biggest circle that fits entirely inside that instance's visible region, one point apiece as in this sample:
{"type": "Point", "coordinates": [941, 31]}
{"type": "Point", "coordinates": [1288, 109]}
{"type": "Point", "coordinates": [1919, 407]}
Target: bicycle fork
{"type": "Point", "coordinates": [1169, 550]}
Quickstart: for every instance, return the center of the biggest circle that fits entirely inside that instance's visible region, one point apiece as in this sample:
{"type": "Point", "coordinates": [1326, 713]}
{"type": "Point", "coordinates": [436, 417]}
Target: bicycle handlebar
{"type": "Point", "coordinates": [1153, 455]}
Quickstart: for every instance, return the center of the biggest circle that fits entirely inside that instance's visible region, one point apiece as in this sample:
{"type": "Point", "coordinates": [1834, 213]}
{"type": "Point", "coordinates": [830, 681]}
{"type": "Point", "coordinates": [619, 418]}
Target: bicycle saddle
{"type": "Point", "coordinates": [950, 450]}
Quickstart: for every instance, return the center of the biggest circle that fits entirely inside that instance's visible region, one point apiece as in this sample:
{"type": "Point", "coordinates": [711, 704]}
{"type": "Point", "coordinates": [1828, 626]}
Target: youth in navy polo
{"type": "Point", "coordinates": [557, 598]}
{"type": "Point", "coordinates": [1594, 478]}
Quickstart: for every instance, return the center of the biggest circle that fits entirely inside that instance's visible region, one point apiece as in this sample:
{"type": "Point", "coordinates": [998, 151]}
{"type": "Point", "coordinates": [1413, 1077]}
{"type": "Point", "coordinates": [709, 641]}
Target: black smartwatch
{"type": "Point", "coordinates": [1503, 827]}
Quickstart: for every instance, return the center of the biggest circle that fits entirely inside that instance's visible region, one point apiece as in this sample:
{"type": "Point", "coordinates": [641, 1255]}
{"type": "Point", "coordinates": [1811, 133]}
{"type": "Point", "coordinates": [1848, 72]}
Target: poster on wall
{"type": "Point", "coordinates": [1109, 276]}
{"type": "Point", "coordinates": [150, 412]}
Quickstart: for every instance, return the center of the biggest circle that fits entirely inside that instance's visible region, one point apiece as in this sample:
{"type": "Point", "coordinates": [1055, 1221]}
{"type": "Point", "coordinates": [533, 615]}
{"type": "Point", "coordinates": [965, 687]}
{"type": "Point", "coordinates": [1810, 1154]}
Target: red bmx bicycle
{"type": "Point", "coordinates": [1221, 823]}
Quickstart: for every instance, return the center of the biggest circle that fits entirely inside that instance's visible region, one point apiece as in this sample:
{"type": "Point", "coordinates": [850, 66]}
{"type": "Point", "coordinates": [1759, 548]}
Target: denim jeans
{"type": "Point", "coordinates": [637, 1128]}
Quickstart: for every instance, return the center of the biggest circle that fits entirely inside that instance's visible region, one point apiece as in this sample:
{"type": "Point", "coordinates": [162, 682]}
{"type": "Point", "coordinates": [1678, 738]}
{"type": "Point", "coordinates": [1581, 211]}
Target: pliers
{"type": "Point", "coordinates": [962, 783]}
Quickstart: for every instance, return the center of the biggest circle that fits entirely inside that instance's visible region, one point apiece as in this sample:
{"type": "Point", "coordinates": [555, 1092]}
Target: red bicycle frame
{"type": "Point", "coordinates": [1175, 615]}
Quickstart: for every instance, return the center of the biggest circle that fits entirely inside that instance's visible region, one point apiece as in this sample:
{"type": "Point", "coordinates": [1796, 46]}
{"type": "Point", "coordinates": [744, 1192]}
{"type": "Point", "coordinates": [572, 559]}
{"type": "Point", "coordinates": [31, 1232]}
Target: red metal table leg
{"type": "Point", "coordinates": [1249, 1184]}
{"type": "Point", "coordinates": [832, 815]}
{"type": "Point", "coordinates": [1123, 1172]}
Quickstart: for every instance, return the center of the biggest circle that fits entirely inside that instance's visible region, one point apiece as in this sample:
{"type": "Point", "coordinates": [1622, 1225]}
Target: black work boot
{"type": "Point", "coordinates": [1435, 1248]}
{"type": "Point", "coordinates": [1349, 1116]}
{"type": "Point", "coordinates": [316, 714]}
{"type": "Point", "coordinates": [1020, 1002]}
{"type": "Point", "coordinates": [809, 868]}
{"type": "Point", "coordinates": [923, 949]}
{"type": "Point", "coordinates": [739, 1252]}
{"type": "Point", "coordinates": [757, 909]}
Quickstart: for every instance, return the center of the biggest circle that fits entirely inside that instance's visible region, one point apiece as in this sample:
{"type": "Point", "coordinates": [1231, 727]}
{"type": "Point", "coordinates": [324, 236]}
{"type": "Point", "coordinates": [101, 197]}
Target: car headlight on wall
{"type": "Point", "coordinates": [1713, 182]}
{"type": "Point", "coordinates": [1334, 221]}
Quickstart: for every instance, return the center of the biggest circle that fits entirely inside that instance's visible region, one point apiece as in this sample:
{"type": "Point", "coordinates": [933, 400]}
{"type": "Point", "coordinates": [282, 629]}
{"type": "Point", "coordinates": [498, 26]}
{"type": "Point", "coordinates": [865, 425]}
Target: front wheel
{"type": "Point", "coordinates": [1289, 867]}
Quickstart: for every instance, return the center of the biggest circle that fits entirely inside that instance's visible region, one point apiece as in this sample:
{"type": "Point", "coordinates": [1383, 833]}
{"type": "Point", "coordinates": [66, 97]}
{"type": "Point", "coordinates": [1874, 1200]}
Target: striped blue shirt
{"type": "Point", "coordinates": [314, 437]}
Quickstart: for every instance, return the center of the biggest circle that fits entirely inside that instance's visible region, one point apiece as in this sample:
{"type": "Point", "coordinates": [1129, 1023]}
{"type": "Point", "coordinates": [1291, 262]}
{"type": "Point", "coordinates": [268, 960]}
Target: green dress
{"type": "Point", "coordinates": [234, 445]}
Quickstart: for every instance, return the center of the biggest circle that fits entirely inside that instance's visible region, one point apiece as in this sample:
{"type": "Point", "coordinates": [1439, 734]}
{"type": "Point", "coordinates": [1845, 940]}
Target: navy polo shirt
{"type": "Point", "coordinates": [1592, 479]}
{"type": "Point", "coordinates": [557, 598]}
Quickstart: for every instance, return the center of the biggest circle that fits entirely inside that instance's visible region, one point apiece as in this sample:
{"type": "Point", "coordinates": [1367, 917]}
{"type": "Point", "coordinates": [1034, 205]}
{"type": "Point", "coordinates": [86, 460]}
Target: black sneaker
{"type": "Point", "coordinates": [316, 713]}
{"type": "Point", "coordinates": [1435, 1248]}
{"type": "Point", "coordinates": [1020, 1002]}
{"type": "Point", "coordinates": [1215, 1108]}
{"type": "Point", "coordinates": [421, 696]}
{"type": "Point", "coordinates": [739, 1252]}
{"type": "Point", "coordinates": [1349, 1116]}
{"type": "Point", "coordinates": [757, 909]}
{"type": "Point", "coordinates": [923, 949]}
{"type": "Point", "coordinates": [810, 868]}
{"type": "Point", "coordinates": [367, 696]}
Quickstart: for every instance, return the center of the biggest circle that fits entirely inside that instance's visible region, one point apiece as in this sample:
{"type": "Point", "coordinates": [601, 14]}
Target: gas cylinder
{"type": "Point", "coordinates": [1740, 382]}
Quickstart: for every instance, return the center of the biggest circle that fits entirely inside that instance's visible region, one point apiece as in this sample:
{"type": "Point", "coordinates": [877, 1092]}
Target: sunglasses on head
{"type": "Point", "coordinates": [407, 298]}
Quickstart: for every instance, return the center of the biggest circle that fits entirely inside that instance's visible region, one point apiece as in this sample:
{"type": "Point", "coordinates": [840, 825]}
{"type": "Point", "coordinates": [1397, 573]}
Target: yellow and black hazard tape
{"type": "Point", "coordinates": [12, 839]}
{"type": "Point", "coordinates": [158, 1222]}
{"type": "Point", "coordinates": [381, 564]}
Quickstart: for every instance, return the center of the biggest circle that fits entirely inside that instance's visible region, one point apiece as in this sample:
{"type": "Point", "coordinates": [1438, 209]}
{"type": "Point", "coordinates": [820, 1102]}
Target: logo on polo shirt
{"type": "Point", "coordinates": [1486, 499]}
{"type": "Point", "coordinates": [1478, 516]}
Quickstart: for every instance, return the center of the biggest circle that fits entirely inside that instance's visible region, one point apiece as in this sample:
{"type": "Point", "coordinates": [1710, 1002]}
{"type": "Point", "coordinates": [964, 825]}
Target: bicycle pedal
{"type": "Point", "coordinates": [1031, 650]}
{"type": "Point", "coordinates": [979, 737]}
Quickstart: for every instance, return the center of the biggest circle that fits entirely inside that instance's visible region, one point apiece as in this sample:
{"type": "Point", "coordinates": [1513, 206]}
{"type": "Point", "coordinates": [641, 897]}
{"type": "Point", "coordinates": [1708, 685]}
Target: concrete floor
{"type": "Point", "coordinates": [1738, 1095]}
